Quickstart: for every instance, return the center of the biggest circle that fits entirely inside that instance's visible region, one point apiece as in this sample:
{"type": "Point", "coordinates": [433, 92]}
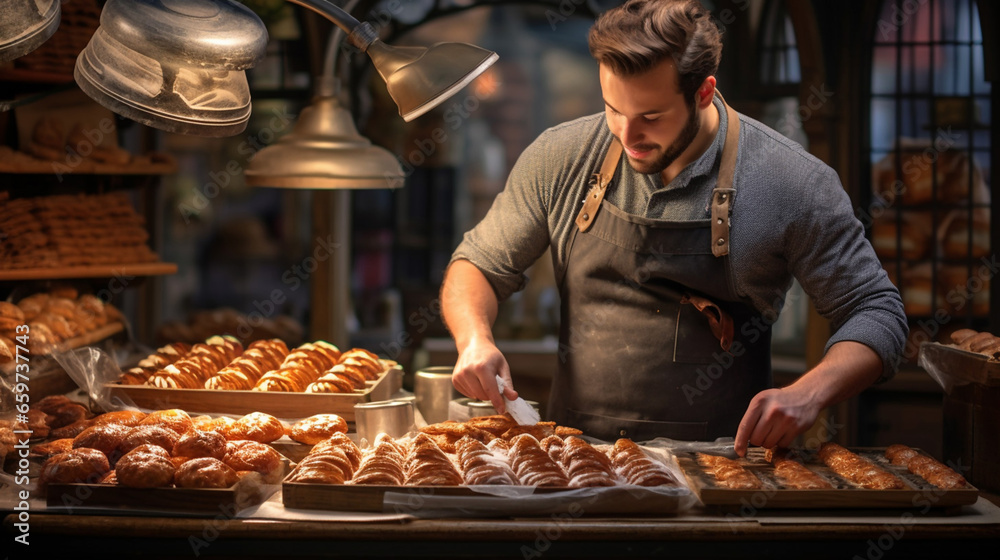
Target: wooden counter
{"type": "Point", "coordinates": [173, 537]}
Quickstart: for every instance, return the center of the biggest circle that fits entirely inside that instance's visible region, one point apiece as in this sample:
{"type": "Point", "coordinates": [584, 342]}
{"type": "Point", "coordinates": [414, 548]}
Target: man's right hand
{"type": "Point", "coordinates": [476, 371]}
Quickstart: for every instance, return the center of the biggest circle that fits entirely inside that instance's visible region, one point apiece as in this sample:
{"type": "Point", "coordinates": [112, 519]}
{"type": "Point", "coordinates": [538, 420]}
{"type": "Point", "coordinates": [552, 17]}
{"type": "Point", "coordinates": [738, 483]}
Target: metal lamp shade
{"type": "Point", "coordinates": [176, 65]}
{"type": "Point", "coordinates": [419, 79]}
{"type": "Point", "coordinates": [25, 25]}
{"type": "Point", "coordinates": [324, 151]}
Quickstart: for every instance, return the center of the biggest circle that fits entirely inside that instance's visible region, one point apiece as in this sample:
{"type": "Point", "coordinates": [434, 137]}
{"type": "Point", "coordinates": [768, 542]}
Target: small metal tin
{"type": "Point", "coordinates": [395, 418]}
{"type": "Point", "coordinates": [433, 390]}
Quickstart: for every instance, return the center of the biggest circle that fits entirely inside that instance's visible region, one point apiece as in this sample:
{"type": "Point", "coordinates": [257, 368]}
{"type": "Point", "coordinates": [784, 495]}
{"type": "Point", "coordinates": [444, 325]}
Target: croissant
{"type": "Point", "coordinates": [330, 382]}
{"type": "Point", "coordinates": [857, 469]}
{"type": "Point", "coordinates": [481, 466]}
{"type": "Point", "coordinates": [532, 464]}
{"type": "Point", "coordinates": [584, 465]}
{"type": "Point", "coordinates": [632, 464]}
{"type": "Point", "coordinates": [381, 464]}
{"type": "Point", "coordinates": [792, 473]}
{"type": "Point", "coordinates": [932, 471]}
{"type": "Point", "coordinates": [427, 465]}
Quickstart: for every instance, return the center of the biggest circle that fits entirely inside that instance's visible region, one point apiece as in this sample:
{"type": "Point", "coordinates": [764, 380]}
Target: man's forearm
{"type": "Point", "coordinates": [847, 369]}
{"type": "Point", "coordinates": [468, 303]}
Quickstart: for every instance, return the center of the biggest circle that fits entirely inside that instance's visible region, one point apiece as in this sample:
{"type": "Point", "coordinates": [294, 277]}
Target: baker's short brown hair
{"type": "Point", "coordinates": [639, 34]}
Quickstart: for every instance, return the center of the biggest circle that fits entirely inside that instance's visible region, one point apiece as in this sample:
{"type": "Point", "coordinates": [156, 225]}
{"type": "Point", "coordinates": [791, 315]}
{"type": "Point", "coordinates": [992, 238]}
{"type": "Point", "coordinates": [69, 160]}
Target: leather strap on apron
{"type": "Point", "coordinates": [723, 193]}
{"type": "Point", "coordinates": [600, 183]}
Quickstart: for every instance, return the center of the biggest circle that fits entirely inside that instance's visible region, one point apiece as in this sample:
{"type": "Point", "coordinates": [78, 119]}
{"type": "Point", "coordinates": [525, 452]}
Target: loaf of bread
{"type": "Point", "coordinates": [728, 473]}
{"type": "Point", "coordinates": [929, 469]}
{"type": "Point", "coordinates": [792, 473]}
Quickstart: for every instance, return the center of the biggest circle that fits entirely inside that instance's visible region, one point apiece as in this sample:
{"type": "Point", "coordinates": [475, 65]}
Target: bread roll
{"type": "Point", "coordinates": [914, 240]}
{"type": "Point", "coordinates": [954, 234]}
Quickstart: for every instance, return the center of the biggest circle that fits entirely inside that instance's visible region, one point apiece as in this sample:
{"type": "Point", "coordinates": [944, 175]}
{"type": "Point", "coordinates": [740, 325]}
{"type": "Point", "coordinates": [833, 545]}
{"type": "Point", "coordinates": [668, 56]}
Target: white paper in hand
{"type": "Point", "coordinates": [521, 411]}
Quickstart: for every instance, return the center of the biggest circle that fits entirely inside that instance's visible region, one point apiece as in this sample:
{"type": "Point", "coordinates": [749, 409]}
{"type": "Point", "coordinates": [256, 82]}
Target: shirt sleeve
{"type": "Point", "coordinates": [514, 233]}
{"type": "Point", "coordinates": [835, 263]}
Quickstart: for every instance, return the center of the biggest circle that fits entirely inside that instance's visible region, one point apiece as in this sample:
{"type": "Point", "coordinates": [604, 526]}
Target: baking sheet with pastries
{"type": "Point", "coordinates": [488, 475]}
{"type": "Point", "coordinates": [774, 493]}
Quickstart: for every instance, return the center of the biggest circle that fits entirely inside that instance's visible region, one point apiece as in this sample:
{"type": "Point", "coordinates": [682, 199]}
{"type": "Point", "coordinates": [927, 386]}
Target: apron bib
{"type": "Point", "coordinates": [654, 340]}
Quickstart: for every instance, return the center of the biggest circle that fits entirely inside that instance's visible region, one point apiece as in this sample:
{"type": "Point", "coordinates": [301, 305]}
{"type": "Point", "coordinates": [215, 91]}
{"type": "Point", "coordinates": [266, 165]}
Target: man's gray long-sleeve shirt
{"type": "Point", "coordinates": [790, 217]}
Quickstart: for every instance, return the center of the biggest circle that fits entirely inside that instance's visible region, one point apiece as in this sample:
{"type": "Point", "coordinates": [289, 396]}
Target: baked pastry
{"type": "Point", "coordinates": [104, 437]}
{"type": "Point", "coordinates": [174, 418]}
{"type": "Point", "coordinates": [248, 455]}
{"type": "Point", "coordinates": [792, 473]}
{"type": "Point", "coordinates": [954, 234]}
{"type": "Point", "coordinates": [256, 426]}
{"type": "Point", "coordinates": [205, 472]}
{"type": "Point", "coordinates": [123, 417]}
{"type": "Point", "coordinates": [728, 473]}
{"type": "Point", "coordinates": [908, 236]}
{"type": "Point", "coordinates": [341, 440]}
{"type": "Point", "coordinates": [66, 414]}
{"type": "Point", "coordinates": [633, 466]}
{"type": "Point", "coordinates": [553, 445]}
{"type": "Point", "coordinates": [539, 431]}
{"type": "Point", "coordinates": [51, 403]}
{"type": "Point", "coordinates": [481, 466]}
{"type": "Point", "coordinates": [49, 448]}
{"type": "Point", "coordinates": [381, 464]}
{"type": "Point", "coordinates": [72, 430]}
{"type": "Point", "coordinates": [857, 469]}
{"type": "Point", "coordinates": [427, 465]}
{"type": "Point", "coordinates": [584, 465]}
{"type": "Point", "coordinates": [496, 424]}
{"type": "Point", "coordinates": [979, 342]}
{"type": "Point", "coordinates": [77, 465]}
{"type": "Point", "coordinates": [532, 464]}
{"type": "Point", "coordinates": [932, 471]}
{"type": "Point", "coordinates": [196, 443]}
{"type": "Point", "coordinates": [146, 466]}
{"type": "Point", "coordinates": [317, 428]}
{"type": "Point", "coordinates": [330, 382]}
{"type": "Point", "coordinates": [446, 434]}
{"type": "Point", "coordinates": [963, 291]}
{"type": "Point", "coordinates": [150, 434]}
{"type": "Point", "coordinates": [111, 478]}
{"type": "Point", "coordinates": [36, 424]}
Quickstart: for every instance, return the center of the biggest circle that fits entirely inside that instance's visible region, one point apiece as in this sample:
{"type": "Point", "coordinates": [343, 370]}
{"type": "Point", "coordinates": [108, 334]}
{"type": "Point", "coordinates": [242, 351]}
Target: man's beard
{"type": "Point", "coordinates": [684, 139]}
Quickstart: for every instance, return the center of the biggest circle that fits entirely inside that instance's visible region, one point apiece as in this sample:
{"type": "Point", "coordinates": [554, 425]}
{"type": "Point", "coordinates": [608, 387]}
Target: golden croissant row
{"type": "Point", "coordinates": [222, 363]}
{"type": "Point", "coordinates": [522, 460]}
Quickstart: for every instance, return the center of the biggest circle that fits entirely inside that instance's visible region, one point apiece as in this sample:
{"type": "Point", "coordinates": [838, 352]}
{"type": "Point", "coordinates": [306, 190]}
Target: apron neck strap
{"type": "Point", "coordinates": [722, 195]}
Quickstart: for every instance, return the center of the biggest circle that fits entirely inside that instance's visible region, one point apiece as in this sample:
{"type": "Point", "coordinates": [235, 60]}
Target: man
{"type": "Point", "coordinates": [674, 259]}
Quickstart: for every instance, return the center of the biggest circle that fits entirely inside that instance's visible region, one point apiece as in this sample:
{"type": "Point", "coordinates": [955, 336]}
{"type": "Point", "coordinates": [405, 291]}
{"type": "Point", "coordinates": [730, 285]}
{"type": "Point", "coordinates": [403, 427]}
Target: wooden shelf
{"type": "Point", "coordinates": [59, 167]}
{"type": "Point", "coordinates": [95, 271]}
{"type": "Point", "coordinates": [34, 76]}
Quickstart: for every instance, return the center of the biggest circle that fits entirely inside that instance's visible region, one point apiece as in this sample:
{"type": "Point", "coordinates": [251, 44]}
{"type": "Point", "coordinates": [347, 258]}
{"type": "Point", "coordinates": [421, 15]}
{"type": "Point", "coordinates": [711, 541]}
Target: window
{"type": "Point", "coordinates": [929, 139]}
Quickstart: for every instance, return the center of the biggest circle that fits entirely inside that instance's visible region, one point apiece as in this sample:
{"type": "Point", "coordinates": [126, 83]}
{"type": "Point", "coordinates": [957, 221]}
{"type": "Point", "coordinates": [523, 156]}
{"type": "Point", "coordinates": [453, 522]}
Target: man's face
{"type": "Point", "coordinates": [649, 115]}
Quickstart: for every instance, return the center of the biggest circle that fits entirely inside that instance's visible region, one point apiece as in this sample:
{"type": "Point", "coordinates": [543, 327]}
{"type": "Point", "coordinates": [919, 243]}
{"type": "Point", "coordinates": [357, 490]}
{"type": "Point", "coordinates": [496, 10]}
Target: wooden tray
{"type": "Point", "coordinates": [282, 405]}
{"type": "Point", "coordinates": [633, 500]}
{"type": "Point", "coordinates": [958, 363]}
{"type": "Point", "coordinates": [250, 490]}
{"type": "Point", "coordinates": [919, 493]}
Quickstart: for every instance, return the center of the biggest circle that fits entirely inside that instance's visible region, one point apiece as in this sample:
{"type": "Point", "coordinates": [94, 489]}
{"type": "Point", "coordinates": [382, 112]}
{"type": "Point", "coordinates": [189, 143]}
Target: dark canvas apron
{"type": "Point", "coordinates": [644, 322]}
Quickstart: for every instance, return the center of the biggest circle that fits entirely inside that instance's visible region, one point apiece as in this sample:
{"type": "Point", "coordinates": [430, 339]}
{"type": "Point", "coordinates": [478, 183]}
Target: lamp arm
{"type": "Point", "coordinates": [329, 80]}
{"type": "Point", "coordinates": [359, 34]}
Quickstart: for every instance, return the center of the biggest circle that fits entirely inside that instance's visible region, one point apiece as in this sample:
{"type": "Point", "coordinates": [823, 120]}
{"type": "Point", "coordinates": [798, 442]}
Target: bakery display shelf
{"type": "Point", "coordinates": [280, 404]}
{"type": "Point", "coordinates": [774, 494]}
{"type": "Point", "coordinates": [252, 489]}
{"type": "Point", "coordinates": [90, 271]}
{"type": "Point", "coordinates": [86, 339]}
{"type": "Point", "coordinates": [25, 75]}
{"type": "Point", "coordinates": [40, 167]}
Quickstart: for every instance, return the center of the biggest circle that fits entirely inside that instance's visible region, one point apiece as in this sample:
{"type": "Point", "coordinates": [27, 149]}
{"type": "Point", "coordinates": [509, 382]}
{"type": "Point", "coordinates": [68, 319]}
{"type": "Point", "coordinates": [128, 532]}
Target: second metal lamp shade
{"type": "Point", "coordinates": [324, 151]}
{"type": "Point", "coordinates": [419, 79]}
